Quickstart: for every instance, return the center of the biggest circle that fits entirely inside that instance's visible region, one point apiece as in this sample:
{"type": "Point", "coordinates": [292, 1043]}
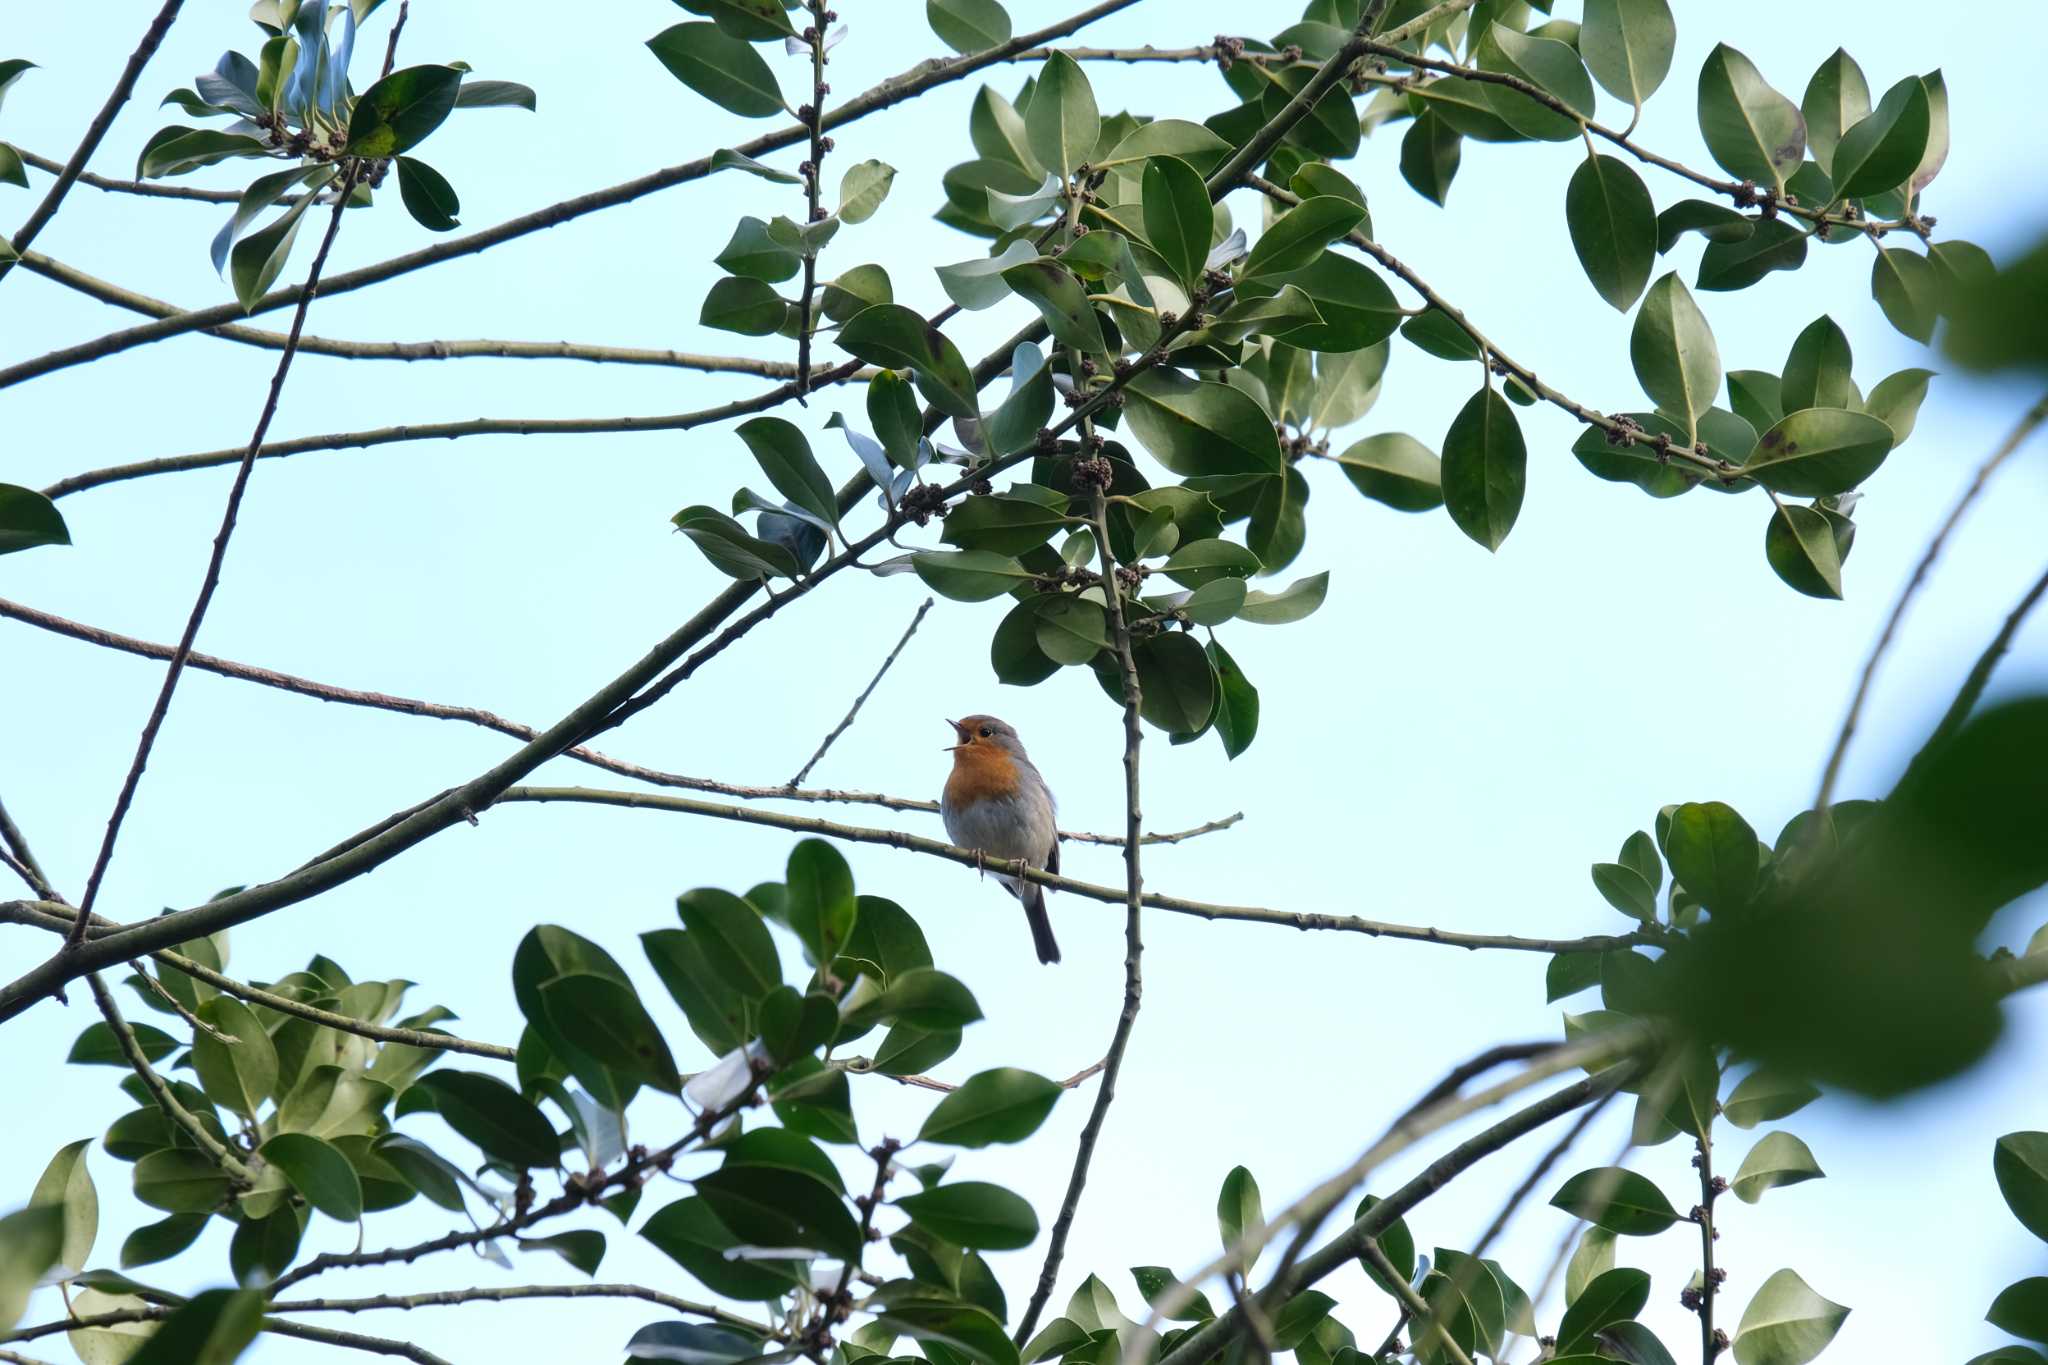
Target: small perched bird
{"type": "Point", "coordinates": [996, 803]}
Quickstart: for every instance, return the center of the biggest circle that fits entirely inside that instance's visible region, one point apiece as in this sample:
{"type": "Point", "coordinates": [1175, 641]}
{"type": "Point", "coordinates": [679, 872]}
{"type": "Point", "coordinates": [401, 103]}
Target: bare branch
{"type": "Point", "coordinates": [1980, 673]}
{"type": "Point", "coordinates": [177, 1113]}
{"type": "Point", "coordinates": [411, 706]}
{"type": "Point", "coordinates": [861, 700]}
{"type": "Point", "coordinates": [510, 1293]}
{"type": "Point", "coordinates": [924, 76]}
{"type": "Point", "coordinates": [157, 1312]}
{"type": "Point", "coordinates": [2029, 422]}
{"type": "Point", "coordinates": [213, 566]}
{"type": "Point", "coordinates": [97, 129]}
{"type": "Point", "coordinates": [1413, 1304]}
{"type": "Point", "coordinates": [148, 188]}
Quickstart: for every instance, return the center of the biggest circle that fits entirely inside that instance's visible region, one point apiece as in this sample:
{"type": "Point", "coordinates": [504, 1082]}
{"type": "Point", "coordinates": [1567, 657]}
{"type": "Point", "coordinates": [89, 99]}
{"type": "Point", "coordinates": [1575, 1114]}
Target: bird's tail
{"type": "Point", "coordinates": [1033, 896]}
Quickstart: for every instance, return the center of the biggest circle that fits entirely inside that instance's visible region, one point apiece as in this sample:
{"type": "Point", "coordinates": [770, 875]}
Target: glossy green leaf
{"type": "Point", "coordinates": [66, 1184]}
{"type": "Point", "coordinates": [1800, 546]}
{"type": "Point", "coordinates": [1883, 150]}
{"type": "Point", "coordinates": [161, 1240]}
{"type": "Point", "coordinates": [1754, 132]}
{"type": "Point", "coordinates": [945, 1322]}
{"type": "Point", "coordinates": [1430, 150]}
{"type": "Point", "coordinates": [28, 519]}
{"type": "Point", "coordinates": [1673, 351]}
{"type": "Point", "coordinates": [211, 1328]}
{"type": "Point", "coordinates": [1155, 1282]}
{"type": "Point", "coordinates": [1817, 369]}
{"type": "Point", "coordinates": [1613, 228]}
{"type": "Point", "coordinates": [1896, 401]}
{"type": "Point", "coordinates": [785, 457]}
{"type": "Point", "coordinates": [730, 549]}
{"type": "Point", "coordinates": [1836, 100]}
{"type": "Point", "coordinates": [1627, 45]}
{"type": "Point", "coordinates": [256, 260]}
{"type": "Point", "coordinates": [692, 1343]}
{"type": "Point", "coordinates": [744, 305]}
{"type": "Point", "coordinates": [1775, 245]}
{"type": "Point", "coordinates": [778, 1207]}
{"type": "Point", "coordinates": [726, 159]}
{"type": "Point", "coordinates": [970, 575]}
{"type": "Point", "coordinates": [1052, 289]}
{"type": "Point", "coordinates": [1617, 1199]}
{"type": "Point", "coordinates": [1197, 428]}
{"type": "Point", "coordinates": [862, 190]}
{"type": "Point", "coordinates": [1357, 308]}
{"type": "Point", "coordinates": [1551, 65]}
{"type": "Point", "coordinates": [1776, 1159]}
{"type": "Point", "coordinates": [892, 335]}
{"type": "Point", "coordinates": [1003, 1105]}
{"type": "Point", "coordinates": [2021, 1308]}
{"type": "Point", "coordinates": [398, 112]}
{"type": "Point", "coordinates": [1715, 222]}
{"type": "Point", "coordinates": [1203, 561]}
{"type": "Point", "coordinates": [1908, 288]}
{"type": "Point", "coordinates": [1819, 452]}
{"type": "Point", "coordinates": [1062, 122]}
{"type": "Point", "coordinates": [318, 1171]}
{"type": "Point", "coordinates": [1237, 702]}
{"type": "Point", "coordinates": [928, 999]}
{"type": "Point", "coordinates": [1625, 890]}
{"type": "Point", "coordinates": [1238, 1207]}
{"type": "Point", "coordinates": [2020, 1162]}
{"type": "Point", "coordinates": [476, 94]}
{"type": "Point", "coordinates": [492, 1115]}
{"type": "Point", "coordinates": [757, 21]}
{"type": "Point", "coordinates": [691, 1235]}
{"type": "Point", "coordinates": [759, 254]}
{"type": "Point", "coordinates": [822, 907]}
{"type": "Point", "coordinates": [173, 151]}
{"type": "Point", "coordinates": [1071, 630]}
{"type": "Point", "coordinates": [180, 1180]}
{"type": "Point", "coordinates": [1764, 1096]}
{"type": "Point", "coordinates": [1713, 853]}
{"type": "Point", "coordinates": [975, 1214]}
{"type": "Point", "coordinates": [1177, 216]}
{"type": "Point", "coordinates": [238, 1076]}
{"type": "Point", "coordinates": [1297, 237]}
{"type": "Point", "coordinates": [604, 1019]}
{"type": "Point", "coordinates": [723, 69]}
{"type": "Point", "coordinates": [1485, 468]}
{"type": "Point", "coordinates": [1614, 1296]}
{"type": "Point", "coordinates": [1298, 600]}
{"type": "Point", "coordinates": [968, 25]}
{"type": "Point", "coordinates": [428, 196]}
{"type": "Point", "coordinates": [1786, 1323]}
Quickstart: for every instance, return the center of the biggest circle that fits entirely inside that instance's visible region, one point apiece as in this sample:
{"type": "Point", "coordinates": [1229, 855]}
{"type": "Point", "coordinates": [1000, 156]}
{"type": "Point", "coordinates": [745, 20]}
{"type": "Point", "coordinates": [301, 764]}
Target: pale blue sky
{"type": "Point", "coordinates": [1451, 740]}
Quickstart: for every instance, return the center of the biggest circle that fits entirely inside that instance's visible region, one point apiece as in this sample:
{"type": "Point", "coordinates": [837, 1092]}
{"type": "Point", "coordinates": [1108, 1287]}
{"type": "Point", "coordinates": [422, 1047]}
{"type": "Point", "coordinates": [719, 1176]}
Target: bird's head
{"type": "Point", "coordinates": [973, 732]}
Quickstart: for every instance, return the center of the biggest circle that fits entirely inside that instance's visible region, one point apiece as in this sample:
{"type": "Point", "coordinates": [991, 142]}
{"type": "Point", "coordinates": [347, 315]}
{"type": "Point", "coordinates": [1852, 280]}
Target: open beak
{"type": "Point", "coordinates": [958, 734]}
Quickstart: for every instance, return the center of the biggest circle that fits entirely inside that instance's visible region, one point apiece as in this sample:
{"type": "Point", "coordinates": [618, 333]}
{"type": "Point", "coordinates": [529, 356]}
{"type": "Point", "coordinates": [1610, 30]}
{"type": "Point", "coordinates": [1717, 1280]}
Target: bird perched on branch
{"type": "Point", "coordinates": [996, 803]}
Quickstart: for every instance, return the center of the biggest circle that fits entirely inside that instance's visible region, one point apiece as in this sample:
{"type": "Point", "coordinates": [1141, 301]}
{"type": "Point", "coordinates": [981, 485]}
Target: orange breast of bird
{"type": "Point", "coordinates": [980, 772]}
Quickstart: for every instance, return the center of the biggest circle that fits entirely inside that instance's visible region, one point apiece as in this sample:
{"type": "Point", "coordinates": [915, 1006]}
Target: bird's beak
{"type": "Point", "coordinates": [959, 735]}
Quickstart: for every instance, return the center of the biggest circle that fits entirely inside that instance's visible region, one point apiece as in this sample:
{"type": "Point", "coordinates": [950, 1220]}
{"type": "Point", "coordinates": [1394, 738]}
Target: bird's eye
{"type": "Point", "coordinates": [987, 733]}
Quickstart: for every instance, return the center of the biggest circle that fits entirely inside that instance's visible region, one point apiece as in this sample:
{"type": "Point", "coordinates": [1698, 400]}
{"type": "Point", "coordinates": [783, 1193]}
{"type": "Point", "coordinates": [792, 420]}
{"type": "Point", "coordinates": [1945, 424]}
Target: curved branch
{"type": "Point", "coordinates": [149, 188]}
{"type": "Point", "coordinates": [487, 348]}
{"type": "Point", "coordinates": [918, 79]}
{"type": "Point", "coordinates": [2029, 422]}
{"type": "Point", "coordinates": [152, 37]}
{"type": "Point", "coordinates": [157, 1312]}
{"type": "Point", "coordinates": [411, 706]}
{"type": "Point", "coordinates": [229, 1164]}
{"type": "Point", "coordinates": [510, 1293]}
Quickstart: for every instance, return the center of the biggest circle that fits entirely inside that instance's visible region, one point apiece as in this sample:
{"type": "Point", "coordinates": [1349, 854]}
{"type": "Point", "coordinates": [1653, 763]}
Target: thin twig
{"type": "Point", "coordinates": [1414, 1304]}
{"type": "Point", "coordinates": [861, 700]}
{"type": "Point", "coordinates": [925, 76]}
{"type": "Point", "coordinates": [152, 37]}
{"type": "Point", "coordinates": [177, 1113]}
{"type": "Point", "coordinates": [147, 188]}
{"type": "Point", "coordinates": [157, 1312]}
{"type": "Point", "coordinates": [1709, 1279]}
{"type": "Point", "coordinates": [16, 842]}
{"type": "Point", "coordinates": [1972, 690]}
{"type": "Point", "coordinates": [510, 1293]}
{"type": "Point", "coordinates": [412, 706]}
{"type": "Point", "coordinates": [2029, 422]}
{"type": "Point", "coordinates": [812, 170]}
{"type": "Point", "coordinates": [213, 566]}
{"type": "Point", "coordinates": [1134, 899]}
{"type": "Point", "coordinates": [397, 27]}
{"type": "Point", "coordinates": [487, 348]}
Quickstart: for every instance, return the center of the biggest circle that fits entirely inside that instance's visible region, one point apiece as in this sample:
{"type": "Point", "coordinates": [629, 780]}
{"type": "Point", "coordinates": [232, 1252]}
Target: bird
{"type": "Point", "coordinates": [996, 803]}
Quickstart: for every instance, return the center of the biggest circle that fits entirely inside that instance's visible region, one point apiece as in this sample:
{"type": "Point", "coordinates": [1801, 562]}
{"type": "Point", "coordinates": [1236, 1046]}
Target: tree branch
{"type": "Point", "coordinates": [107, 292]}
{"type": "Point", "coordinates": [861, 700]}
{"type": "Point", "coordinates": [1980, 673]}
{"type": "Point", "coordinates": [306, 687]}
{"type": "Point", "coordinates": [2029, 422]}
{"type": "Point", "coordinates": [97, 129]}
{"type": "Point", "coordinates": [1413, 1304]}
{"type": "Point", "coordinates": [138, 1061]}
{"type": "Point", "coordinates": [1134, 899]}
{"type": "Point", "coordinates": [149, 188]}
{"type": "Point", "coordinates": [924, 76]}
{"type": "Point", "coordinates": [157, 1312]}
{"type": "Point", "coordinates": [511, 1293]}
{"type": "Point", "coordinates": [220, 549]}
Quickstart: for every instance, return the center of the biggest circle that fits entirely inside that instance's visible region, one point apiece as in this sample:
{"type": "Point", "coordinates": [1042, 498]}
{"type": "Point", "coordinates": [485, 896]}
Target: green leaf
{"type": "Point", "coordinates": [256, 260]}
{"type": "Point", "coordinates": [239, 1076]}
{"type": "Point", "coordinates": [743, 305]}
{"type": "Point", "coordinates": [1429, 156]}
{"type": "Point", "coordinates": [1544, 62]}
{"type": "Point", "coordinates": [892, 335]}
{"type": "Point", "coordinates": [1204, 561]}
{"type": "Point", "coordinates": [1764, 1096]}
{"type": "Point", "coordinates": [1908, 287]}
{"type": "Point", "coordinates": [1237, 703]}
{"type": "Point", "coordinates": [730, 549]}
{"type": "Point", "coordinates": [723, 69]}
{"type": "Point", "coordinates": [1799, 542]}
{"type": "Point", "coordinates": [1395, 1240]}
{"type": "Point", "coordinates": [1178, 216]}
{"type": "Point", "coordinates": [1003, 1105]}
{"type": "Point", "coordinates": [756, 21]}
{"type": "Point", "coordinates": [725, 159]}
{"type": "Point", "coordinates": [1591, 1258]}
{"type": "Point", "coordinates": [776, 1207]}
{"type": "Point", "coordinates": [1357, 308]}
{"type": "Point", "coordinates": [491, 1114]}
{"type": "Point", "coordinates": [1155, 1281]}
{"type": "Point", "coordinates": [1568, 974]}
{"type": "Point", "coordinates": [1836, 100]}
{"type": "Point", "coordinates": [1631, 1342]}
{"type": "Point", "coordinates": [733, 939]}
{"type": "Point", "coordinates": [31, 1240]}
{"type": "Point", "coordinates": [66, 1184]}
{"type": "Point", "coordinates": [428, 196]}
{"type": "Point", "coordinates": [758, 253]}
{"type": "Point", "coordinates": [1819, 452]}
{"type": "Point", "coordinates": [2021, 1308]}
{"type": "Point", "coordinates": [975, 1214]}
{"type": "Point", "coordinates": [1775, 245]}
{"type": "Point", "coordinates": [1817, 369]}
{"type": "Point", "coordinates": [1613, 227]}
{"type": "Point", "coordinates": [1615, 1296]}
{"type": "Point", "coordinates": [1617, 1199]}
{"type": "Point", "coordinates": [1485, 468]}
{"type": "Point", "coordinates": [691, 1235]}
{"type": "Point", "coordinates": [928, 999]}
{"type": "Point", "coordinates": [179, 1180]}
{"type": "Point", "coordinates": [1625, 890]}
{"type": "Point", "coordinates": [173, 151]}
{"type": "Point", "coordinates": [1786, 1323]}
{"type": "Point", "coordinates": [495, 94]}
{"type": "Point", "coordinates": [1896, 401]}
{"type": "Point", "coordinates": [970, 575]}
{"type": "Point", "coordinates": [1754, 132]}
{"type": "Point", "coordinates": [2020, 1161]}
{"type": "Point", "coordinates": [692, 1343]}
{"type": "Point", "coordinates": [97, 1046]}
{"type": "Point", "coordinates": [319, 1172]}
{"type": "Point", "coordinates": [1297, 600]}
{"type": "Point", "coordinates": [785, 457]}
{"type": "Point", "coordinates": [968, 26]}
{"type": "Point", "coordinates": [1238, 1209]}
{"type": "Point", "coordinates": [1777, 1159]}
{"type": "Point", "coordinates": [161, 1240]}
{"type": "Point", "coordinates": [862, 190]}
{"type": "Point", "coordinates": [1673, 351]}
{"type": "Point", "coordinates": [1071, 630]}
{"type": "Point", "coordinates": [1061, 301]}
{"type": "Point", "coordinates": [1297, 237]}
{"type": "Point", "coordinates": [1396, 469]}
{"type": "Point", "coordinates": [948, 1323]}
{"type": "Point", "coordinates": [1062, 121]}
{"type": "Point", "coordinates": [604, 1019]}
{"type": "Point", "coordinates": [398, 112]}
{"type": "Point", "coordinates": [1713, 854]}
{"type": "Point", "coordinates": [211, 1328]}
{"type": "Point", "coordinates": [822, 908]}
{"type": "Point", "coordinates": [1627, 45]}
{"type": "Point", "coordinates": [1196, 428]}
{"type": "Point", "coordinates": [1715, 222]}
{"type": "Point", "coordinates": [1883, 150]}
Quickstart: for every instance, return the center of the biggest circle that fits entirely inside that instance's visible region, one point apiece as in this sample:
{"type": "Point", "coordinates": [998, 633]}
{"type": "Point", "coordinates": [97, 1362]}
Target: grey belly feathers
{"type": "Point", "coordinates": [1004, 827]}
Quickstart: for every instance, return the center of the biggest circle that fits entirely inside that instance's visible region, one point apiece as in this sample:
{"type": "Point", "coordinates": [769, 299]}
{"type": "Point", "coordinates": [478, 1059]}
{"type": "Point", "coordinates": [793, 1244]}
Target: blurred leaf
{"type": "Point", "coordinates": [1615, 1296]}
{"type": "Point", "coordinates": [211, 1328]}
{"type": "Point", "coordinates": [2020, 1161]}
{"type": "Point", "coordinates": [1776, 1159]}
{"type": "Point", "coordinates": [691, 1343]}
{"type": "Point", "coordinates": [1786, 1323]}
{"type": "Point", "coordinates": [319, 1172]}
{"type": "Point", "coordinates": [1908, 288]}
{"type": "Point", "coordinates": [2021, 1308]}
{"type": "Point", "coordinates": [1590, 1259]}
{"type": "Point", "coordinates": [1153, 1283]}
